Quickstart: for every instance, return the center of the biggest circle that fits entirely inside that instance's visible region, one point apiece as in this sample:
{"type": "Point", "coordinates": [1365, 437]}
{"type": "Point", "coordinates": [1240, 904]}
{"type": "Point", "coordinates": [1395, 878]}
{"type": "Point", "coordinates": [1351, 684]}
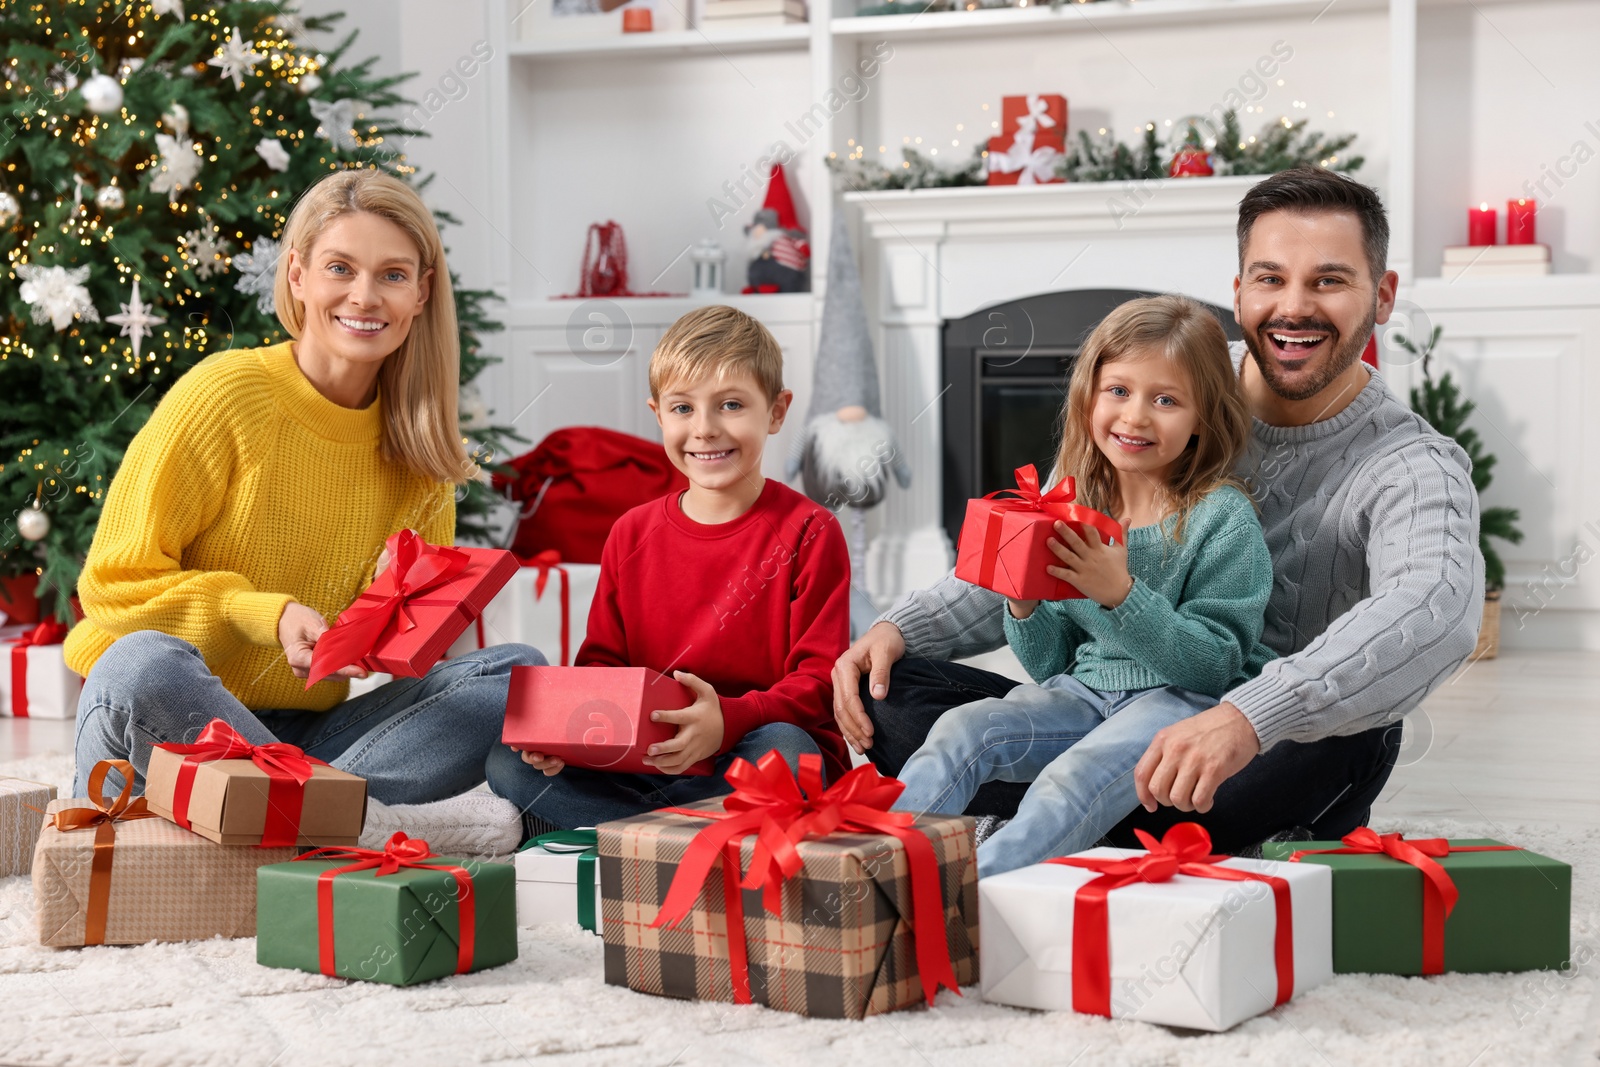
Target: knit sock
{"type": "Point", "coordinates": [472, 824]}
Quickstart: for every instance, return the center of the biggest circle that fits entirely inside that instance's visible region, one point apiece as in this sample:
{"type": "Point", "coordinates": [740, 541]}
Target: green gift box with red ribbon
{"type": "Point", "coordinates": [399, 915]}
{"type": "Point", "coordinates": [1004, 543]}
{"type": "Point", "coordinates": [1431, 905]}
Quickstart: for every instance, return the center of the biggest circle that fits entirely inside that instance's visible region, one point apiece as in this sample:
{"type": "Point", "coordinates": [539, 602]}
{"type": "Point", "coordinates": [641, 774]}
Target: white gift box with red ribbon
{"type": "Point", "coordinates": [524, 613]}
{"type": "Point", "coordinates": [35, 681]}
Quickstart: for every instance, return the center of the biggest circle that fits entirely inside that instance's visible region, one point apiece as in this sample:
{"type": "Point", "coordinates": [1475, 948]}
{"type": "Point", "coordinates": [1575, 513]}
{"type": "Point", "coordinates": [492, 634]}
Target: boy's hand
{"type": "Point", "coordinates": [1098, 570]}
{"type": "Point", "coordinates": [550, 765]}
{"type": "Point", "coordinates": [699, 729]}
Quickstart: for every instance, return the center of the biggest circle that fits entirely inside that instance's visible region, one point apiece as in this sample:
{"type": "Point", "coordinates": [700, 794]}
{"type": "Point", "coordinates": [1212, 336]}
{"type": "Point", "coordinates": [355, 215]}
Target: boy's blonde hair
{"type": "Point", "coordinates": [419, 381]}
{"type": "Point", "coordinates": [1193, 339]}
{"type": "Point", "coordinates": [716, 341]}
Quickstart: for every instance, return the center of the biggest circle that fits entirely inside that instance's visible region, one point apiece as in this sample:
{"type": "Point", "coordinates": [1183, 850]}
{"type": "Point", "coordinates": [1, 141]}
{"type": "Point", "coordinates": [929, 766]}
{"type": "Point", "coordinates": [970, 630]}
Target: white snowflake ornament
{"type": "Point", "coordinates": [258, 272]}
{"type": "Point", "coordinates": [273, 154]}
{"type": "Point", "coordinates": [136, 321]}
{"type": "Point", "coordinates": [179, 166]}
{"type": "Point", "coordinates": [207, 254]}
{"type": "Point", "coordinates": [337, 120]}
{"type": "Point", "coordinates": [57, 294]}
{"type": "Point", "coordinates": [167, 7]}
{"type": "Point", "coordinates": [236, 58]}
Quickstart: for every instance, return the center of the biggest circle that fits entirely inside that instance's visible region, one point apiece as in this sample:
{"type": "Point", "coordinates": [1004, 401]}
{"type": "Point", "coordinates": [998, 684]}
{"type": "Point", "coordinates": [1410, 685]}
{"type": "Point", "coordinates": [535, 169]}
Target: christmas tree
{"type": "Point", "coordinates": [149, 156]}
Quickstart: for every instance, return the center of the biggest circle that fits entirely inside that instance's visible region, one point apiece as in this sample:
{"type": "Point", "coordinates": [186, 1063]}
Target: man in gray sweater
{"type": "Point", "coordinates": [1372, 522]}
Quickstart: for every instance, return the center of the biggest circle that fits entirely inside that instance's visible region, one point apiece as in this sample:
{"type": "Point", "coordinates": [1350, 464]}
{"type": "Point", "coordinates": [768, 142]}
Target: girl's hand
{"type": "Point", "coordinates": [1098, 570]}
{"type": "Point", "coordinates": [550, 765]}
{"type": "Point", "coordinates": [699, 733]}
{"type": "Point", "coordinates": [1021, 609]}
{"type": "Point", "coordinates": [298, 630]}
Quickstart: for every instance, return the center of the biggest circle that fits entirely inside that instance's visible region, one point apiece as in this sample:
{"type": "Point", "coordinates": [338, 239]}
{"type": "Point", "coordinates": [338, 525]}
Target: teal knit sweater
{"type": "Point", "coordinates": [1193, 619]}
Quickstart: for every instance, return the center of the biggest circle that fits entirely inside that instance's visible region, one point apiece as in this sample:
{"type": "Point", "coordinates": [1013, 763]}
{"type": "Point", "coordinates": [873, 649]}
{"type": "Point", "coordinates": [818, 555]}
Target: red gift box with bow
{"type": "Point", "coordinates": [594, 717]}
{"type": "Point", "coordinates": [1004, 537]}
{"type": "Point", "coordinates": [414, 611]}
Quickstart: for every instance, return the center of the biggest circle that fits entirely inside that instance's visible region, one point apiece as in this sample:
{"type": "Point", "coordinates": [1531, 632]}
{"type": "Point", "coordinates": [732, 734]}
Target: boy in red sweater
{"type": "Point", "coordinates": [738, 587]}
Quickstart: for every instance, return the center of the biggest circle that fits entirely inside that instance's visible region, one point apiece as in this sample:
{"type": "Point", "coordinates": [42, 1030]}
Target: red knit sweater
{"type": "Point", "coordinates": [759, 607]}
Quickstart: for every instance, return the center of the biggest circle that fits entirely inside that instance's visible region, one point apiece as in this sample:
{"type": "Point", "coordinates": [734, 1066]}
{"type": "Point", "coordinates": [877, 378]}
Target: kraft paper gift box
{"type": "Point", "coordinates": [1003, 544]}
{"type": "Point", "coordinates": [1513, 912]}
{"type": "Point", "coordinates": [235, 793]}
{"type": "Point", "coordinates": [558, 879]}
{"type": "Point", "coordinates": [552, 617]}
{"type": "Point", "coordinates": [162, 883]}
{"type": "Point", "coordinates": [594, 717]}
{"type": "Point", "coordinates": [863, 927]}
{"type": "Point", "coordinates": [22, 807]}
{"type": "Point", "coordinates": [400, 915]}
{"type": "Point", "coordinates": [1196, 952]}
{"type": "Point", "coordinates": [35, 681]}
{"type": "Point", "coordinates": [414, 611]}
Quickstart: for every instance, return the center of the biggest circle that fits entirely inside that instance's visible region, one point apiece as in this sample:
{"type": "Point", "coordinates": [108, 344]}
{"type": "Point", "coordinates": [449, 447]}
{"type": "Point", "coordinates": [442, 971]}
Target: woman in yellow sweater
{"type": "Point", "coordinates": [254, 506]}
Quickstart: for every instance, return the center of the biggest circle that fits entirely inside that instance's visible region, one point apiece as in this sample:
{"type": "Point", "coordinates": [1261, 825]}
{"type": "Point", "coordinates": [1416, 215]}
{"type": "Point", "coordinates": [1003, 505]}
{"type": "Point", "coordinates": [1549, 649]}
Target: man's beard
{"type": "Point", "coordinates": [1346, 351]}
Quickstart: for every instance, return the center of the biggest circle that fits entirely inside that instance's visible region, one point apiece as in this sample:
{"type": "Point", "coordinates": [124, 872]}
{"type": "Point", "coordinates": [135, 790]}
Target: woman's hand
{"type": "Point", "coordinates": [700, 729]}
{"type": "Point", "coordinates": [298, 630]}
{"type": "Point", "coordinates": [1098, 570]}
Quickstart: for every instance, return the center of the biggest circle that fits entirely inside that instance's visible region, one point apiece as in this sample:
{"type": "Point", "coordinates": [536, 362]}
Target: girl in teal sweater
{"type": "Point", "coordinates": [1152, 428]}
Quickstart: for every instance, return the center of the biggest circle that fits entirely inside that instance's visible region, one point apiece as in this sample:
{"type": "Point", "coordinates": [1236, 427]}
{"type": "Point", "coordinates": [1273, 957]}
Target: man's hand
{"type": "Point", "coordinates": [874, 652]}
{"type": "Point", "coordinates": [1188, 760]}
{"type": "Point", "coordinates": [700, 729]}
{"type": "Point", "coordinates": [298, 630]}
{"type": "Point", "coordinates": [1097, 570]}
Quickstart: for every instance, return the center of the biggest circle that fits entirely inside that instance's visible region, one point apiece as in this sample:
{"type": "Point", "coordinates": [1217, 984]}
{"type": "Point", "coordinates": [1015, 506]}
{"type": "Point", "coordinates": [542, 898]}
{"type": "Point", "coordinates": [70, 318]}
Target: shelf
{"type": "Point", "coordinates": [661, 310]}
{"type": "Point", "coordinates": [1086, 18]}
{"type": "Point", "coordinates": [711, 41]}
{"type": "Point", "coordinates": [1535, 291]}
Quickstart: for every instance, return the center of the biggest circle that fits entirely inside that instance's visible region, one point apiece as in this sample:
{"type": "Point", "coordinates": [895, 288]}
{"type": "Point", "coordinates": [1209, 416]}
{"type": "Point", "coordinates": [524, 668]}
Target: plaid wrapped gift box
{"type": "Point", "coordinates": [22, 805]}
{"type": "Point", "coordinates": [841, 943]}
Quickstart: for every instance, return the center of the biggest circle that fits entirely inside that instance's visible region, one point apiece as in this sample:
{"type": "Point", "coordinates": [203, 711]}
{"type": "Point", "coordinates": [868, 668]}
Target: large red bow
{"type": "Point", "coordinates": [414, 567]}
{"type": "Point", "coordinates": [783, 810]}
{"type": "Point", "coordinates": [399, 852]}
{"type": "Point", "coordinates": [1439, 892]}
{"type": "Point", "coordinates": [288, 770]}
{"type": "Point", "coordinates": [51, 631]}
{"type": "Point", "coordinates": [547, 561]}
{"type": "Point", "coordinates": [1027, 496]}
{"type": "Point", "coordinates": [1184, 849]}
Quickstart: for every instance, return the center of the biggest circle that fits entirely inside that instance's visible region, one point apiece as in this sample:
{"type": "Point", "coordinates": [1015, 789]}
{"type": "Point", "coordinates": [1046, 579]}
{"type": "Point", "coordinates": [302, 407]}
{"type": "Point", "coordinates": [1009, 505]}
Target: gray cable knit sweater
{"type": "Point", "coordinates": [1372, 523]}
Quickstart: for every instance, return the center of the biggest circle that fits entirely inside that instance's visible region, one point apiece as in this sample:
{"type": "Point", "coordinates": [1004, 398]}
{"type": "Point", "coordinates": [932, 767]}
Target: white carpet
{"type": "Point", "coordinates": [209, 1003]}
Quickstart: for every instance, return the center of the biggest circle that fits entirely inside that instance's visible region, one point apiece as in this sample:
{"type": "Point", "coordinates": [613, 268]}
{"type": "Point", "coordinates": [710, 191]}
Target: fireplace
{"type": "Point", "coordinates": [1005, 369]}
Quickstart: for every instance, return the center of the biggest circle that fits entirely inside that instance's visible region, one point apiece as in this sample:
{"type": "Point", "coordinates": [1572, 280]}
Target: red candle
{"type": "Point", "coordinates": [1480, 225]}
{"type": "Point", "coordinates": [1520, 222]}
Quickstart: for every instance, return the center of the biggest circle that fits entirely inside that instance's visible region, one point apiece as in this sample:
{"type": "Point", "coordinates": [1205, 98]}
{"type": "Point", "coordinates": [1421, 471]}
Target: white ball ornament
{"type": "Point", "coordinates": [32, 523]}
{"type": "Point", "coordinates": [110, 198]}
{"type": "Point", "coordinates": [103, 94]}
{"type": "Point", "coordinates": [309, 83]}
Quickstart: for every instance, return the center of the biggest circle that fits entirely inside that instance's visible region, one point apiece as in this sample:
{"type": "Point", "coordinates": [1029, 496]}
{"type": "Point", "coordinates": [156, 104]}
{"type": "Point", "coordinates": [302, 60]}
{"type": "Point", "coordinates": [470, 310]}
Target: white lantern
{"type": "Point", "coordinates": [708, 260]}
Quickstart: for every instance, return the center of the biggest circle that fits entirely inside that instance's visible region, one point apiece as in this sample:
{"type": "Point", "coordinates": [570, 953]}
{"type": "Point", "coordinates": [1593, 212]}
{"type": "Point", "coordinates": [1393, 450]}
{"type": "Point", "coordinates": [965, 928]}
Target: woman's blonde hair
{"type": "Point", "coordinates": [420, 380]}
{"type": "Point", "coordinates": [1192, 338]}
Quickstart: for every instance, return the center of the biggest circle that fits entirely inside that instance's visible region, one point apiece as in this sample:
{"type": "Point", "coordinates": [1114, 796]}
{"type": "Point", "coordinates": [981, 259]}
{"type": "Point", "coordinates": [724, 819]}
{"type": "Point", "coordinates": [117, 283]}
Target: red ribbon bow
{"type": "Point", "coordinates": [414, 567]}
{"type": "Point", "coordinates": [288, 770]}
{"type": "Point", "coordinates": [1439, 892]}
{"type": "Point", "coordinates": [782, 810]}
{"type": "Point", "coordinates": [400, 852]}
{"type": "Point", "coordinates": [51, 631]}
{"type": "Point", "coordinates": [1184, 849]}
{"type": "Point", "coordinates": [546, 561]}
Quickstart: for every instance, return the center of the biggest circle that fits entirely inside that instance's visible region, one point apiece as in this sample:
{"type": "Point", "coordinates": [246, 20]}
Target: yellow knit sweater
{"type": "Point", "coordinates": [247, 489]}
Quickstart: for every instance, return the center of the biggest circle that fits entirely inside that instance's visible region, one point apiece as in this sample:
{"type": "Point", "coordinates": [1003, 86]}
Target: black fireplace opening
{"type": "Point", "coordinates": [1005, 371]}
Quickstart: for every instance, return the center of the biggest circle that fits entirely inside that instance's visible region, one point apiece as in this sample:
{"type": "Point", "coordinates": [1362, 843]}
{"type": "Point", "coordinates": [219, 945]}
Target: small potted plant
{"type": "Point", "coordinates": [1441, 404]}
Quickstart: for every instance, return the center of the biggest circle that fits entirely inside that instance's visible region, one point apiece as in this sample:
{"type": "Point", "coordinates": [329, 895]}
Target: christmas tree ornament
{"type": "Point", "coordinates": [273, 154]}
{"type": "Point", "coordinates": [1190, 161]}
{"type": "Point", "coordinates": [110, 198]}
{"type": "Point", "coordinates": [32, 523]}
{"type": "Point", "coordinates": [179, 161]}
{"type": "Point", "coordinates": [128, 67]}
{"type": "Point", "coordinates": [236, 58]}
{"type": "Point", "coordinates": [167, 7]}
{"type": "Point", "coordinates": [78, 186]}
{"type": "Point", "coordinates": [136, 321]}
{"type": "Point", "coordinates": [780, 257]}
{"type": "Point", "coordinates": [258, 273]}
{"type": "Point", "coordinates": [102, 94]}
{"type": "Point", "coordinates": [207, 254]}
{"type": "Point", "coordinates": [10, 208]}
{"type": "Point", "coordinates": [336, 122]}
{"type": "Point", "coordinates": [309, 83]}
{"type": "Point", "coordinates": [57, 294]}
{"type": "Point", "coordinates": [60, 81]}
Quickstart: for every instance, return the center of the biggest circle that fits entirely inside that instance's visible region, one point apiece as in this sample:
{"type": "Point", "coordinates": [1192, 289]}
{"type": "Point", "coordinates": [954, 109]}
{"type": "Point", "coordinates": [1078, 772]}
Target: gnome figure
{"type": "Point", "coordinates": [846, 451]}
{"type": "Point", "coordinates": [780, 255]}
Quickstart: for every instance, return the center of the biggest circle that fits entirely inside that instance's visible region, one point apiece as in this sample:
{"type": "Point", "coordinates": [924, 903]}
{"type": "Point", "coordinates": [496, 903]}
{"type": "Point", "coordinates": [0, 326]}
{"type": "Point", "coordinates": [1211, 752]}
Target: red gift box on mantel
{"type": "Point", "coordinates": [1003, 541]}
{"type": "Point", "coordinates": [594, 717]}
{"type": "Point", "coordinates": [414, 611]}
{"type": "Point", "coordinates": [1033, 136]}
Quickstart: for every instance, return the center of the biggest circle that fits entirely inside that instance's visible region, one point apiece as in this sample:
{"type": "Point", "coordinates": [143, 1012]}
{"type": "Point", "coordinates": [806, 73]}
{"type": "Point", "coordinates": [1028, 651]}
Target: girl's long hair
{"type": "Point", "coordinates": [1192, 338]}
{"type": "Point", "coordinates": [420, 380]}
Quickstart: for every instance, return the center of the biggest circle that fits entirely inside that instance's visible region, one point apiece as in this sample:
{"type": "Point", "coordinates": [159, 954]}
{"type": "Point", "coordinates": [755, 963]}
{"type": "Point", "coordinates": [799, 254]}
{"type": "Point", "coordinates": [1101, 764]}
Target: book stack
{"type": "Point", "coordinates": [751, 14]}
{"type": "Point", "coordinates": [1495, 261]}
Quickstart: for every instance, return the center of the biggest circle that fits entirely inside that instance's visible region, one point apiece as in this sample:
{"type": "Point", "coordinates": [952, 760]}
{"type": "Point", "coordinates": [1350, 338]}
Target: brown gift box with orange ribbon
{"type": "Point", "coordinates": [1004, 538]}
{"type": "Point", "coordinates": [235, 793]}
{"type": "Point", "coordinates": [839, 907]}
{"type": "Point", "coordinates": [112, 873]}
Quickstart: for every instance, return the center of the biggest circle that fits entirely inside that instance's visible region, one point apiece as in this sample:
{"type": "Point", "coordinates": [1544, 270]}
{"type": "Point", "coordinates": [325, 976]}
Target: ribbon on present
{"type": "Point", "coordinates": [51, 631]}
{"type": "Point", "coordinates": [288, 770]}
{"type": "Point", "coordinates": [1184, 849]}
{"type": "Point", "coordinates": [1439, 892]}
{"type": "Point", "coordinates": [782, 810]}
{"type": "Point", "coordinates": [399, 853]}
{"type": "Point", "coordinates": [1033, 166]}
{"type": "Point", "coordinates": [586, 843]}
{"type": "Point", "coordinates": [415, 567]}
{"type": "Point", "coordinates": [104, 818]}
{"type": "Point", "coordinates": [1038, 113]}
{"type": "Point", "coordinates": [545, 562]}
{"type": "Point", "coordinates": [1058, 501]}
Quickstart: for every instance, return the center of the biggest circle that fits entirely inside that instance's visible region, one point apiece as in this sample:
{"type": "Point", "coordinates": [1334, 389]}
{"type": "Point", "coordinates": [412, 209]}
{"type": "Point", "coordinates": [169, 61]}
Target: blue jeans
{"type": "Point", "coordinates": [578, 797]}
{"type": "Point", "coordinates": [1077, 745]}
{"type": "Point", "coordinates": [414, 739]}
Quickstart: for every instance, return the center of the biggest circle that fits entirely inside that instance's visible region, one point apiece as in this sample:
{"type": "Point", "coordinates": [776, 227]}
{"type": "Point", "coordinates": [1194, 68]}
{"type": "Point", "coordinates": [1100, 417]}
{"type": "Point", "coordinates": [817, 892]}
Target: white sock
{"type": "Point", "coordinates": [472, 824]}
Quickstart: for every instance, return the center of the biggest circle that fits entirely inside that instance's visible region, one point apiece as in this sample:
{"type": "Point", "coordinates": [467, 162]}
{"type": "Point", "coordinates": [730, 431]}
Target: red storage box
{"type": "Point", "coordinates": [594, 717]}
{"type": "Point", "coordinates": [1003, 541]}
